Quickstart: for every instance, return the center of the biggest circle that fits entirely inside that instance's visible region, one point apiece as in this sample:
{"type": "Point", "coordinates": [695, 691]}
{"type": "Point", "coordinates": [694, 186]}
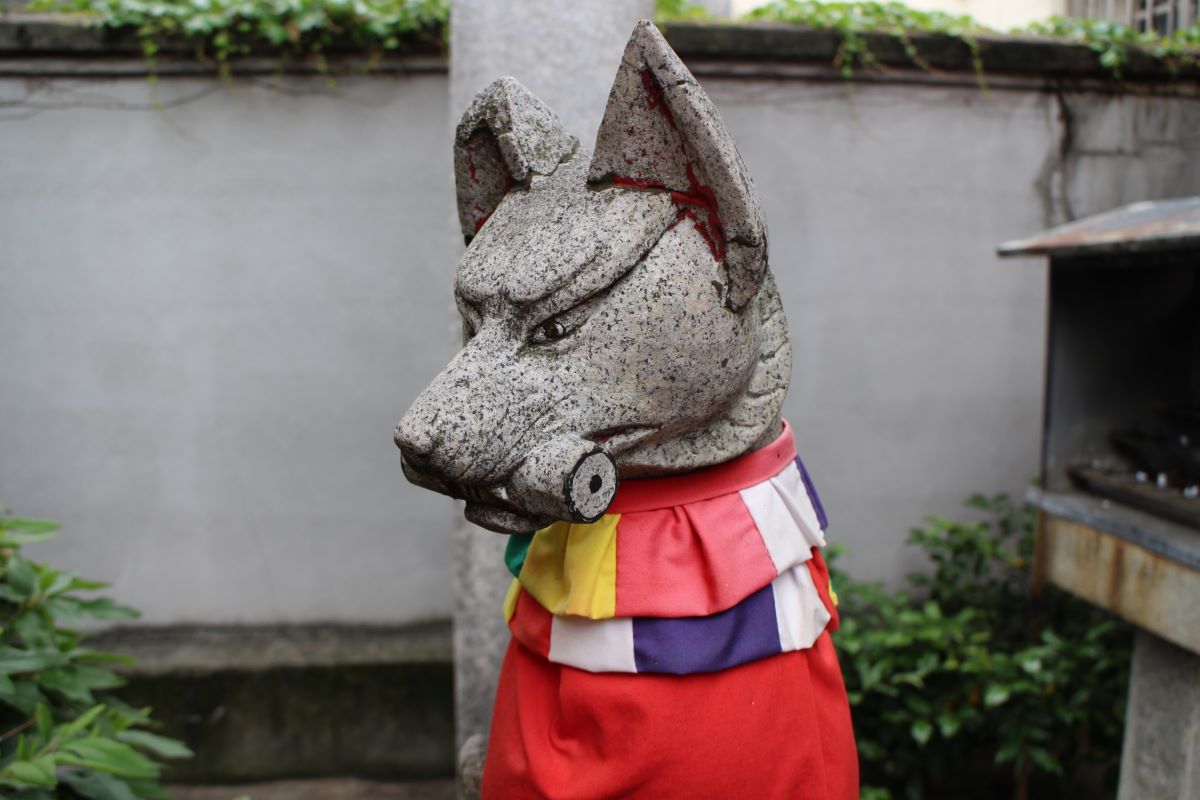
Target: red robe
{"type": "Point", "coordinates": [677, 648]}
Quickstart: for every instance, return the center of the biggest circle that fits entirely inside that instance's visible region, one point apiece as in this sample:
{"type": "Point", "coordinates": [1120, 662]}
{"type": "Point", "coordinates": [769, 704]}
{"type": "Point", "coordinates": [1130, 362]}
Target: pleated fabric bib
{"type": "Point", "coordinates": [691, 597]}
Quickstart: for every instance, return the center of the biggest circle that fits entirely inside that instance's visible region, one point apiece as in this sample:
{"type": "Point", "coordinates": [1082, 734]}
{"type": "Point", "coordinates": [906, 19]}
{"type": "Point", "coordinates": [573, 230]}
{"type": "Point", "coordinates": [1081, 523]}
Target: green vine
{"type": "Point", "coordinates": [852, 21]}
{"type": "Point", "coordinates": [290, 29]}
{"type": "Point", "coordinates": [1112, 41]}
{"type": "Point", "coordinates": [222, 30]}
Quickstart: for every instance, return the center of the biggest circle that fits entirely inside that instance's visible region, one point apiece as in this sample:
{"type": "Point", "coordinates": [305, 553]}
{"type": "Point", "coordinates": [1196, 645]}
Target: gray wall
{"type": "Point", "coordinates": [918, 354]}
{"type": "Point", "coordinates": [212, 315]}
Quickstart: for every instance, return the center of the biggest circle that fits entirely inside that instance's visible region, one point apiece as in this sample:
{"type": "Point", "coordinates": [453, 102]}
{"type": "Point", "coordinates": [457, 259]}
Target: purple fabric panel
{"type": "Point", "coordinates": [684, 645]}
{"type": "Point", "coordinates": [812, 494]}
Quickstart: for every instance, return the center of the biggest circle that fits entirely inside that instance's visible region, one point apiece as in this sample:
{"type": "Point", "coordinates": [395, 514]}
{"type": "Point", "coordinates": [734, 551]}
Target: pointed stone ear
{"type": "Point", "coordinates": [660, 131]}
{"type": "Point", "coordinates": [505, 137]}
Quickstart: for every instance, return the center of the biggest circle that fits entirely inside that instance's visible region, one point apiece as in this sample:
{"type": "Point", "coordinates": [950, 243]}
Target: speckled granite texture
{"type": "Point", "coordinates": [618, 315]}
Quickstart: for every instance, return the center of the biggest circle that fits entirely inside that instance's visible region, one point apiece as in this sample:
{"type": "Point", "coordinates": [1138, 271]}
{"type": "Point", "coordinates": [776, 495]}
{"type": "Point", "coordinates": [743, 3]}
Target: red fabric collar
{"type": "Point", "coordinates": [648, 494]}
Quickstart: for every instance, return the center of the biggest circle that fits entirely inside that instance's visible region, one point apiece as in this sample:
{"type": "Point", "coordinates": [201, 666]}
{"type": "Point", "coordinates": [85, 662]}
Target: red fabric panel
{"type": "Point", "coordinates": [689, 561]}
{"type": "Point", "coordinates": [530, 624]}
{"type": "Point", "coordinates": [732, 476]}
{"type": "Point", "coordinates": [774, 728]}
{"type": "Point", "coordinates": [820, 576]}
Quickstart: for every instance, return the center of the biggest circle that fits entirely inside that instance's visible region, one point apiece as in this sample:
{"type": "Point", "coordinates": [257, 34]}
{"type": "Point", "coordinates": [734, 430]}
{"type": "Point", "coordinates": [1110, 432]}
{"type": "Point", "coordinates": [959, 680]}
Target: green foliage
{"type": "Point", "coordinates": [854, 19]}
{"type": "Point", "coordinates": [967, 669]}
{"type": "Point", "coordinates": [308, 29]}
{"type": "Point", "coordinates": [61, 735]}
{"type": "Point", "coordinates": [1112, 41]}
{"type": "Point", "coordinates": [668, 10]}
{"type": "Point", "coordinates": [223, 29]}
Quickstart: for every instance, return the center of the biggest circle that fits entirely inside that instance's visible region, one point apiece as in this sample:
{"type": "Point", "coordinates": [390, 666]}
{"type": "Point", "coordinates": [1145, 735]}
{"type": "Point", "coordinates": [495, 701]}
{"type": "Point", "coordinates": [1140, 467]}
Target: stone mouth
{"type": "Point", "coordinates": [488, 505]}
{"type": "Point", "coordinates": [623, 437]}
{"type": "Point", "coordinates": [502, 519]}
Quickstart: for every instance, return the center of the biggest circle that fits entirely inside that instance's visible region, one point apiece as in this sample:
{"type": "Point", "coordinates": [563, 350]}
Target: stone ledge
{"type": "Point", "coordinates": [203, 648]}
{"type": "Point", "coordinates": [314, 701]}
{"type": "Point", "coordinates": [1020, 55]}
{"type": "Point", "coordinates": [51, 39]}
{"type": "Point", "coordinates": [329, 789]}
{"type": "Point", "coordinates": [33, 36]}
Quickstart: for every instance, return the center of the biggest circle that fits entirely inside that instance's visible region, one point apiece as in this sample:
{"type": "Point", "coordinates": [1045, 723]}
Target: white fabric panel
{"type": "Point", "coordinates": [595, 645]}
{"type": "Point", "coordinates": [785, 517]}
{"type": "Point", "coordinates": [799, 612]}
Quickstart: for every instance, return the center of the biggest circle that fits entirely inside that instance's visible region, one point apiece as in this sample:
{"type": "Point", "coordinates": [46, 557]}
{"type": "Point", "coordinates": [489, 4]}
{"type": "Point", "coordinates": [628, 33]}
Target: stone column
{"type": "Point", "coordinates": [1161, 756]}
{"type": "Point", "coordinates": [566, 52]}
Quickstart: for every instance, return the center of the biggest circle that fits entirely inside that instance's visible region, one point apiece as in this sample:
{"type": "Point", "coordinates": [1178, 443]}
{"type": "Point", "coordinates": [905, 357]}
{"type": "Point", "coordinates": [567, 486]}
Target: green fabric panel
{"type": "Point", "coordinates": [514, 553]}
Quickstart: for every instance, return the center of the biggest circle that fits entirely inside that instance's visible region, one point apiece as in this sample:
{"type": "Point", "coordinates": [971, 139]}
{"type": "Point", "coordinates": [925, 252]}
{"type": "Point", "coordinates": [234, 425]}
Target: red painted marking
{"type": "Point", "coordinates": [654, 97]}
{"type": "Point", "coordinates": [699, 202]}
{"type": "Point", "coordinates": [482, 218]}
{"type": "Point", "coordinates": [637, 183]}
{"type": "Point", "coordinates": [702, 200]}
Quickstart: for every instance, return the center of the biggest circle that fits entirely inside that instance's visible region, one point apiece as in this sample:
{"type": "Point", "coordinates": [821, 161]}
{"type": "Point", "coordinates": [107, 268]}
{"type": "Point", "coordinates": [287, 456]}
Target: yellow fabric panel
{"type": "Point", "coordinates": [571, 569]}
{"type": "Point", "coordinates": [510, 599]}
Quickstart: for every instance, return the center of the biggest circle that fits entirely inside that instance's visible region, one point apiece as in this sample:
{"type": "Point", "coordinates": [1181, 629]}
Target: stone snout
{"type": "Point", "coordinates": [487, 435]}
{"type": "Point", "coordinates": [644, 375]}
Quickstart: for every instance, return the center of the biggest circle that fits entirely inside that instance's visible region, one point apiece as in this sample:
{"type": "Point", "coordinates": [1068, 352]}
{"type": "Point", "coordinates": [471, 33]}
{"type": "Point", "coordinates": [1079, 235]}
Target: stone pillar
{"type": "Point", "coordinates": [566, 52]}
{"type": "Point", "coordinates": [1161, 756]}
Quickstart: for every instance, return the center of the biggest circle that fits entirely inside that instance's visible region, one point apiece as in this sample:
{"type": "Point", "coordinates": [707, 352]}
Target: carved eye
{"type": "Point", "coordinates": [552, 329]}
{"type": "Point", "coordinates": [565, 323]}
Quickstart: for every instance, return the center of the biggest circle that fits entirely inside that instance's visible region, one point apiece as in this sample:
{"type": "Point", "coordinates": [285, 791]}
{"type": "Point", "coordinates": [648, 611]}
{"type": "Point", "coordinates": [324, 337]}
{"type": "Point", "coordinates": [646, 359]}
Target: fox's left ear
{"type": "Point", "coordinates": [505, 137]}
{"type": "Point", "coordinates": [660, 131]}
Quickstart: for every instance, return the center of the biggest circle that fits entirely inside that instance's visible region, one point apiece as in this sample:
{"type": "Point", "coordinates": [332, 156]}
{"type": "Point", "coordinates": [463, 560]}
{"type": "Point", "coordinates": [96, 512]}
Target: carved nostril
{"type": "Point", "coordinates": [414, 439]}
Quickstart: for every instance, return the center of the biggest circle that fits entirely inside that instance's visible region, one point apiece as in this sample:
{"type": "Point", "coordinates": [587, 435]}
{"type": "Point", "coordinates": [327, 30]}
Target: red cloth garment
{"type": "Point", "coordinates": [678, 647]}
{"type": "Point", "coordinates": [778, 727]}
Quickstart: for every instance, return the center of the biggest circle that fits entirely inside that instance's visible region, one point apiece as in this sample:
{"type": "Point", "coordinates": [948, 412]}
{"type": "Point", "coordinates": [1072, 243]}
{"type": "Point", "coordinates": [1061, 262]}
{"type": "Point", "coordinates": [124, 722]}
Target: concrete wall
{"type": "Point", "coordinates": [212, 315]}
{"type": "Point", "coordinates": [917, 372]}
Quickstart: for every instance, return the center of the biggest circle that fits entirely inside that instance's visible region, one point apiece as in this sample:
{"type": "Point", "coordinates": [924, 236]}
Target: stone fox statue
{"type": "Point", "coordinates": [619, 393]}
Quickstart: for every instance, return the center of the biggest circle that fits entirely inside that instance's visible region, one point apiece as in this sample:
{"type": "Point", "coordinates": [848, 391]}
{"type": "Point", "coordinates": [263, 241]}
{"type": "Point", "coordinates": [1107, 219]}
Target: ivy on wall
{"type": "Point", "coordinates": [285, 29]}
{"type": "Point", "coordinates": [1111, 41]}
{"type": "Point", "coordinates": [308, 29]}
{"type": "Point", "coordinates": [852, 20]}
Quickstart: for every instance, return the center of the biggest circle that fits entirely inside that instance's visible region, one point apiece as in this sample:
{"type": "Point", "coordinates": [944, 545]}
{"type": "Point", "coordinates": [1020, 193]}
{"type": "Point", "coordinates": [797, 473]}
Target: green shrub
{"type": "Point", "coordinates": [1112, 41]}
{"type": "Point", "coordinates": [969, 669]}
{"type": "Point", "coordinates": [288, 29]}
{"type": "Point", "coordinates": [61, 734]}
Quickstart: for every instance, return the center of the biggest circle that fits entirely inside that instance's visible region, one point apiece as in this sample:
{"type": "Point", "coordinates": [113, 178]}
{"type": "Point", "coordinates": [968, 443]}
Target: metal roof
{"type": "Point", "coordinates": [1156, 226]}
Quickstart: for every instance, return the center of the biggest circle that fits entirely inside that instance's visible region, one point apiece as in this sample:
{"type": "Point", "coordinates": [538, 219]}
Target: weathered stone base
{"type": "Point", "coordinates": [1161, 757]}
{"type": "Point", "coordinates": [326, 789]}
{"type": "Point", "coordinates": [258, 704]}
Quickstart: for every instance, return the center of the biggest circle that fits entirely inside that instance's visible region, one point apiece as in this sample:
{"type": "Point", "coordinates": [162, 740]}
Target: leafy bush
{"type": "Point", "coordinates": [1112, 41]}
{"type": "Point", "coordinates": [223, 29]}
{"type": "Point", "coordinates": [61, 735]}
{"type": "Point", "coordinates": [969, 669]}
{"type": "Point", "coordinates": [852, 20]}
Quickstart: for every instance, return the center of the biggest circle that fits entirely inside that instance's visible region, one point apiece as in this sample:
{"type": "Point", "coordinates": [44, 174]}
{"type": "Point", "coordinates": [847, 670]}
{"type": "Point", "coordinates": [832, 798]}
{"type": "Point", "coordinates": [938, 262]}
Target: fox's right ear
{"type": "Point", "coordinates": [661, 132]}
{"type": "Point", "coordinates": [505, 137]}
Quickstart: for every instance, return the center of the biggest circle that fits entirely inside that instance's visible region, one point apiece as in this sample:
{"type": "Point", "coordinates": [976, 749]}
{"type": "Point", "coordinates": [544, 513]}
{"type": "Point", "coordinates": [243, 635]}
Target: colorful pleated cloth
{"type": "Point", "coordinates": [677, 647]}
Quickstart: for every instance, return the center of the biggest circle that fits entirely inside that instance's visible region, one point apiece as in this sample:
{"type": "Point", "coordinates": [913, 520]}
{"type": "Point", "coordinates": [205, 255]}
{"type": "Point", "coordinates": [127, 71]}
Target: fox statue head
{"type": "Point", "coordinates": [619, 319]}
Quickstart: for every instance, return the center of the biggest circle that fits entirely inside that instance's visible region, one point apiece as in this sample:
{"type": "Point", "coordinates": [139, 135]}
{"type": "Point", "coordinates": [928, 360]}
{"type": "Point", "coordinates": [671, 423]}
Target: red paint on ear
{"type": "Point", "coordinates": [482, 217]}
{"type": "Point", "coordinates": [487, 146]}
{"type": "Point", "coordinates": [702, 201]}
{"type": "Point", "coordinates": [654, 98]}
{"type": "Point", "coordinates": [699, 202]}
{"type": "Point", "coordinates": [637, 183]}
